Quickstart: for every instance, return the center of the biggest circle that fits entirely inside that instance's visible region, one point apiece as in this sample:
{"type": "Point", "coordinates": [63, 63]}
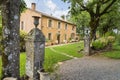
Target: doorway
{"type": "Point", "coordinates": [58, 38]}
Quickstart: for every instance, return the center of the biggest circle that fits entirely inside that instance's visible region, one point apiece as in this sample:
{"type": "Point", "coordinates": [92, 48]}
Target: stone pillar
{"type": "Point", "coordinates": [87, 42]}
{"type": "Point", "coordinates": [35, 45]}
{"type": "Point", "coordinates": [87, 45]}
{"type": "Point", "coordinates": [10, 38]}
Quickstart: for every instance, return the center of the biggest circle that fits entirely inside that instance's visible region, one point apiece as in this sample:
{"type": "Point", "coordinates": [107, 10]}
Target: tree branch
{"type": "Point", "coordinates": [103, 1]}
{"type": "Point", "coordinates": [105, 10]}
{"type": "Point", "coordinates": [90, 11]}
{"type": "Point", "coordinates": [98, 9]}
{"type": "Point", "coordinates": [85, 8]}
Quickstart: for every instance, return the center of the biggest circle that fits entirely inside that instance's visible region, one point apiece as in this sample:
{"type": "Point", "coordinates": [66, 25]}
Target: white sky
{"type": "Point", "coordinates": [55, 7]}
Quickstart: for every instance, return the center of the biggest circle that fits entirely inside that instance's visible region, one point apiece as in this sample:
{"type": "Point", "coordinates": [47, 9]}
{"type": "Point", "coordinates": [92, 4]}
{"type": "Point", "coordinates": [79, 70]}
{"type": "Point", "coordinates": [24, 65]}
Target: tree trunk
{"type": "Point", "coordinates": [94, 23]}
{"type": "Point", "coordinates": [10, 23]}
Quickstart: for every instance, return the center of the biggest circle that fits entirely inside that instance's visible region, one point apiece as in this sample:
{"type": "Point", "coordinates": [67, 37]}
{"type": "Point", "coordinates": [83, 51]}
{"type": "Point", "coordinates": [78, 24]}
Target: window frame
{"type": "Point", "coordinates": [49, 22]}
{"type": "Point", "coordinates": [66, 26]}
{"type": "Point", "coordinates": [49, 36]}
{"type": "Point", "coordinates": [59, 24]}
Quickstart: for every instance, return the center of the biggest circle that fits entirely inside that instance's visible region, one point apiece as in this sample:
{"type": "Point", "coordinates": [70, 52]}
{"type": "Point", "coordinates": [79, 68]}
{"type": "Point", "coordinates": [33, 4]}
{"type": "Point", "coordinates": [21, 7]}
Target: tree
{"type": "Point", "coordinates": [110, 21]}
{"type": "Point", "coordinates": [81, 21]}
{"type": "Point", "coordinates": [63, 17]}
{"type": "Point", "coordinates": [10, 36]}
{"type": "Point", "coordinates": [95, 8]}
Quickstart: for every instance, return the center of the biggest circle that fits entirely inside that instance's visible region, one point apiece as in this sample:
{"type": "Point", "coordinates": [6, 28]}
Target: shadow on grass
{"type": "Point", "coordinates": [114, 54]}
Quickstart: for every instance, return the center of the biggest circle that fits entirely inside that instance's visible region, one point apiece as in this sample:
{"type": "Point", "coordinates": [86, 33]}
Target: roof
{"type": "Point", "coordinates": [46, 15]}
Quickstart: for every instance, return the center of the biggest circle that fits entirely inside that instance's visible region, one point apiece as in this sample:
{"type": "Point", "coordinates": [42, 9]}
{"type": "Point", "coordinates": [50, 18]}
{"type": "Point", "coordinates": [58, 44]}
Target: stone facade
{"type": "Point", "coordinates": [55, 30]}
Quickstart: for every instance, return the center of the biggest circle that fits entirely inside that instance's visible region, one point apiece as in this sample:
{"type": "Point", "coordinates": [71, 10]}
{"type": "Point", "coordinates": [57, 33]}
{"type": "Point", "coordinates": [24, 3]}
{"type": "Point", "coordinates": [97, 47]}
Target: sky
{"type": "Point", "coordinates": [55, 7]}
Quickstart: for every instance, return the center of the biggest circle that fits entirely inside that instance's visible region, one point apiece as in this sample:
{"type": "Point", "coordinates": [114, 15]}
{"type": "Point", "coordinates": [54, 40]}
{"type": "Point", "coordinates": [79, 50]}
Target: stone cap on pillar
{"type": "Point", "coordinates": [35, 35]}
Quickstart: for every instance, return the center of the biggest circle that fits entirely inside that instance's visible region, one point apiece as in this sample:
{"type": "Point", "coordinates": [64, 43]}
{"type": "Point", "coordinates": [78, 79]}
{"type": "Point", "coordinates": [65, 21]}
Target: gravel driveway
{"type": "Point", "coordinates": [90, 68]}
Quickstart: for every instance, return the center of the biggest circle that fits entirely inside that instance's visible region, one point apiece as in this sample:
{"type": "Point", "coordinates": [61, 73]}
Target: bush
{"type": "Point", "coordinates": [103, 42]}
{"type": "Point", "coordinates": [99, 44]}
{"type": "Point", "coordinates": [111, 33]}
{"type": "Point", "coordinates": [22, 41]}
{"type": "Point", "coordinates": [111, 39]}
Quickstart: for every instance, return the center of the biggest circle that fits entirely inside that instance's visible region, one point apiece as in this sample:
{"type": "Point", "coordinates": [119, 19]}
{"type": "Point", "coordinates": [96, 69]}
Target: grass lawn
{"type": "Point", "coordinates": [51, 58]}
{"type": "Point", "coordinates": [71, 49]}
{"type": "Point", "coordinates": [115, 53]}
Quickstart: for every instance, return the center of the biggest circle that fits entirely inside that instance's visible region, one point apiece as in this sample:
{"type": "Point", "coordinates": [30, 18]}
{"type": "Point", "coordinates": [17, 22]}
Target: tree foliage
{"type": "Point", "coordinates": [95, 8]}
{"type": "Point", "coordinates": [22, 6]}
{"type": "Point", "coordinates": [81, 20]}
{"type": "Point", "coordinates": [110, 21]}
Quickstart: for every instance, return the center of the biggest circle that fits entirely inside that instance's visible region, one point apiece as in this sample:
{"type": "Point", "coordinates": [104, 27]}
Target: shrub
{"type": "Point", "coordinates": [111, 33]}
{"type": "Point", "coordinates": [111, 39]}
{"type": "Point", "coordinates": [100, 43]}
{"type": "Point", "coordinates": [22, 41]}
{"type": "Point", "coordinates": [103, 42]}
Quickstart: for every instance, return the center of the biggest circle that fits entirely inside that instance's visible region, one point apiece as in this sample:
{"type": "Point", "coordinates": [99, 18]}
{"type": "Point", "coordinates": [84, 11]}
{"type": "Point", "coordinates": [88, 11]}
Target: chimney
{"type": "Point", "coordinates": [33, 6]}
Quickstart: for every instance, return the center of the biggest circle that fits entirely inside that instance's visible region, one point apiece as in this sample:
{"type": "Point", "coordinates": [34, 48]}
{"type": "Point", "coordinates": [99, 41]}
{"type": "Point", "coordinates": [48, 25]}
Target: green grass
{"type": "Point", "coordinates": [115, 53]}
{"type": "Point", "coordinates": [51, 58]}
{"type": "Point", "coordinates": [71, 49]}
{"type": "Point", "coordinates": [22, 63]}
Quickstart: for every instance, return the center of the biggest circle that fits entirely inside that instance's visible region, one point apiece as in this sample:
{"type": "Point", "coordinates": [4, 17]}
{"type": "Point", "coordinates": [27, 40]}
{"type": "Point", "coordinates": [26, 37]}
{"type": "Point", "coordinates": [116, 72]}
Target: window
{"type": "Point", "coordinates": [49, 36]}
{"type": "Point", "coordinates": [59, 23]}
{"type": "Point", "coordinates": [49, 23]}
{"type": "Point", "coordinates": [66, 26]}
{"type": "Point", "coordinates": [73, 28]}
{"type": "Point", "coordinates": [22, 25]}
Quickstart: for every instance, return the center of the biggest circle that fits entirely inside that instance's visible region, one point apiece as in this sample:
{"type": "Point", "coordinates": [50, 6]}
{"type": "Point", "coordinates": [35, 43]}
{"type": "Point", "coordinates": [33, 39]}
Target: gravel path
{"type": "Point", "coordinates": [90, 68]}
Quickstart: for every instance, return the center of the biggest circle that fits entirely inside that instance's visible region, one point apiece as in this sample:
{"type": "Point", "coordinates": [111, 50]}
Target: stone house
{"type": "Point", "coordinates": [55, 30]}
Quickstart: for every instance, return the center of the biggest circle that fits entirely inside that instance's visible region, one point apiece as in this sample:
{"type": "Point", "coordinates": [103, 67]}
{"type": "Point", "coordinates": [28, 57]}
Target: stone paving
{"type": "Point", "coordinates": [90, 68]}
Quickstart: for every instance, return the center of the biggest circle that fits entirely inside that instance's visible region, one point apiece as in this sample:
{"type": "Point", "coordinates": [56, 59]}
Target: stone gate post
{"type": "Point", "coordinates": [35, 45]}
{"type": "Point", "coordinates": [87, 42]}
